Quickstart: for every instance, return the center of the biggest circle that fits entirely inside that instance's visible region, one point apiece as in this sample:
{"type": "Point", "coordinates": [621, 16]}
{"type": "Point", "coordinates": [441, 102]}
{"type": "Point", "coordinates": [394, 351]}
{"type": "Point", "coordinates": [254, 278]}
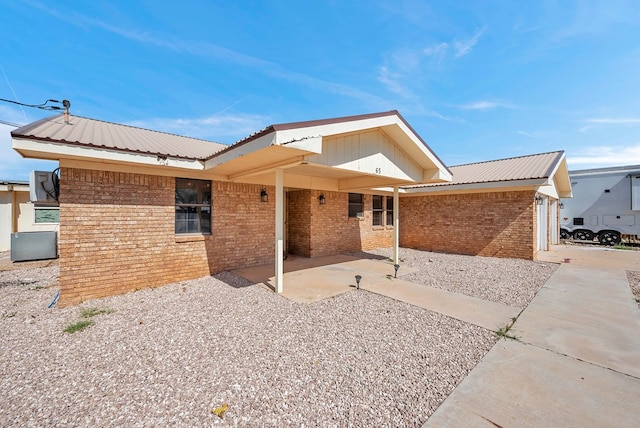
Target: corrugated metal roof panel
{"type": "Point", "coordinates": [96, 133]}
{"type": "Point", "coordinates": [518, 168]}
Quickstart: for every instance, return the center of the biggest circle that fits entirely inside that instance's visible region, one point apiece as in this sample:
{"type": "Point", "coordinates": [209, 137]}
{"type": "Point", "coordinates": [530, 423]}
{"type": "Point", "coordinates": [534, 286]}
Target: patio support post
{"type": "Point", "coordinates": [279, 230]}
{"type": "Point", "coordinates": [396, 224]}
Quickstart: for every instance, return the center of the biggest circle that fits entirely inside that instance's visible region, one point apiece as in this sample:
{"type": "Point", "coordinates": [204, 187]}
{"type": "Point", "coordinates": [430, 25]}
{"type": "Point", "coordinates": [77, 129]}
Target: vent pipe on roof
{"type": "Point", "coordinates": [66, 104]}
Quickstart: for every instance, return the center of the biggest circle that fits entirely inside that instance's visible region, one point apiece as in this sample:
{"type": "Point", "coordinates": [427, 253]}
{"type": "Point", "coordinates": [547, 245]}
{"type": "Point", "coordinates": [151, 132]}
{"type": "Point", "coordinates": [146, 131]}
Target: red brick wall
{"type": "Point", "coordinates": [117, 233]}
{"type": "Point", "coordinates": [500, 224]}
{"type": "Point", "coordinates": [334, 232]}
{"type": "Point", "coordinates": [298, 223]}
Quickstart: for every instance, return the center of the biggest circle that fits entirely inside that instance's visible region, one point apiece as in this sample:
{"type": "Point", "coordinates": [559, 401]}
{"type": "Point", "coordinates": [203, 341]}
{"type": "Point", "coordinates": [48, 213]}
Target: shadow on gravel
{"type": "Point", "coordinates": [233, 280]}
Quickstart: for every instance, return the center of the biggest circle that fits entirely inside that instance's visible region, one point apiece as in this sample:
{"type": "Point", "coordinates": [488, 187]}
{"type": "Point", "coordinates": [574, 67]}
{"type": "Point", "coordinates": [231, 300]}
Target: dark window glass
{"type": "Point", "coordinates": [377, 210]}
{"type": "Point", "coordinates": [389, 210]}
{"type": "Point", "coordinates": [356, 205]}
{"type": "Point", "coordinates": [193, 206]}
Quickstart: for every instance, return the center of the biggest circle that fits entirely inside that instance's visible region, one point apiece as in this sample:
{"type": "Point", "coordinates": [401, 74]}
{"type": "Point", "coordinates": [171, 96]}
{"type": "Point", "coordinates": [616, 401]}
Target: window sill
{"type": "Point", "coordinates": [190, 238]}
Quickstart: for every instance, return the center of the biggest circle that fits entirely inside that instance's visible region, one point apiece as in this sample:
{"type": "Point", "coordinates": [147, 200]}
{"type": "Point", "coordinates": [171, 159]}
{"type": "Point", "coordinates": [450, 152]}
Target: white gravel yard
{"type": "Point", "coordinates": [513, 282]}
{"type": "Point", "coordinates": [168, 356]}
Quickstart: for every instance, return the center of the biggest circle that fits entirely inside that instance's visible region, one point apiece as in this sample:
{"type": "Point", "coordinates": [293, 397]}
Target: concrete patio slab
{"type": "Point", "coordinates": [309, 280]}
{"type": "Point", "coordinates": [483, 313]}
{"type": "Point", "coordinates": [521, 385]}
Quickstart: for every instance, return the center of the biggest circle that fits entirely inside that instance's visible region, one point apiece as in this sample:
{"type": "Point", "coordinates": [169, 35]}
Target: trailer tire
{"type": "Point", "coordinates": [565, 234]}
{"type": "Point", "coordinates": [609, 237]}
{"type": "Point", "coordinates": [583, 235]}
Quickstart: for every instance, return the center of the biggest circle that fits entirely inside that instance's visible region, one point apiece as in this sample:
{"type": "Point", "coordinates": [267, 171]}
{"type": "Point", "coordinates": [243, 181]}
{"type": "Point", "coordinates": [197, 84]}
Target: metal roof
{"type": "Point", "coordinates": [538, 166]}
{"type": "Point", "coordinates": [83, 131]}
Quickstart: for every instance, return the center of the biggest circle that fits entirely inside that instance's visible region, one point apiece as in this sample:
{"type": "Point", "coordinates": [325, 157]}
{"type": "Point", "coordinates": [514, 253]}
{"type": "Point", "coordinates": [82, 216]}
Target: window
{"type": "Point", "coordinates": [193, 206]}
{"type": "Point", "coordinates": [356, 205]}
{"type": "Point", "coordinates": [46, 214]}
{"type": "Point", "coordinates": [377, 210]}
{"type": "Point", "coordinates": [389, 210]}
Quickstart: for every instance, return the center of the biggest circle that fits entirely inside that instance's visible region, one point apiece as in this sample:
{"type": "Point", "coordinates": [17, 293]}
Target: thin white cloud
{"type": "Point", "coordinates": [593, 122]}
{"type": "Point", "coordinates": [210, 50]}
{"type": "Point", "coordinates": [486, 105]}
{"type": "Point", "coordinates": [615, 121]}
{"type": "Point", "coordinates": [392, 82]}
{"type": "Point", "coordinates": [604, 156]}
{"type": "Point", "coordinates": [465, 47]}
{"type": "Point", "coordinates": [217, 127]}
{"type": "Point", "coordinates": [436, 50]}
{"type": "Point", "coordinates": [535, 134]}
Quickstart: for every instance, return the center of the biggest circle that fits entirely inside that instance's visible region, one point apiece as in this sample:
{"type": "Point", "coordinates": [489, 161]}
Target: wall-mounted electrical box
{"type": "Point", "coordinates": [43, 187]}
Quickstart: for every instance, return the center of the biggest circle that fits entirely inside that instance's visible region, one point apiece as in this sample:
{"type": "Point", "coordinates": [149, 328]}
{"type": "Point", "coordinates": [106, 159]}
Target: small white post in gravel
{"type": "Point", "coordinates": [279, 230]}
{"type": "Point", "coordinates": [396, 225]}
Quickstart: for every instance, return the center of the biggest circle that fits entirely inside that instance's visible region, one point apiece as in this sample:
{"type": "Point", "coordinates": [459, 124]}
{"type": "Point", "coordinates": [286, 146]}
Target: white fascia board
{"type": "Point", "coordinates": [437, 175]}
{"type": "Point", "coordinates": [241, 150]}
{"type": "Point", "coordinates": [477, 186]}
{"type": "Point", "coordinates": [423, 148]}
{"type": "Point", "coordinates": [14, 187]}
{"type": "Point", "coordinates": [56, 151]}
{"type": "Point", "coordinates": [311, 144]}
{"type": "Point", "coordinates": [329, 129]}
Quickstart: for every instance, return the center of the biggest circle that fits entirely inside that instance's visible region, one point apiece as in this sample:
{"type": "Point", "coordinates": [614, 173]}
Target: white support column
{"type": "Point", "coordinates": [279, 230]}
{"type": "Point", "coordinates": [396, 225]}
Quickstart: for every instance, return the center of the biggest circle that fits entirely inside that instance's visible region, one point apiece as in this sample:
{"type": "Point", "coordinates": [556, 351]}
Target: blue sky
{"type": "Point", "coordinates": [478, 80]}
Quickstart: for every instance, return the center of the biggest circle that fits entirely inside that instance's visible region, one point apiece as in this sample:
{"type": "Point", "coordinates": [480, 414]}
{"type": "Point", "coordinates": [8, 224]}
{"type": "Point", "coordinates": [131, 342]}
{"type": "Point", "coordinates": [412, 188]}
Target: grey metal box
{"type": "Point", "coordinates": [34, 246]}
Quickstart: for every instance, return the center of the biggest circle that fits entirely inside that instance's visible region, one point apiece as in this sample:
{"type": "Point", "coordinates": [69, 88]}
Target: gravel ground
{"type": "Point", "coordinates": [634, 283]}
{"type": "Point", "coordinates": [512, 282]}
{"type": "Point", "coordinates": [168, 356]}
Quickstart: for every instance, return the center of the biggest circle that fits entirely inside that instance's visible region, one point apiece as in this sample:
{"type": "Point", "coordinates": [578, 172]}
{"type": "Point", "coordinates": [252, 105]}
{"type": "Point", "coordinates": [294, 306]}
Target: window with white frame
{"type": "Point", "coordinates": [193, 206]}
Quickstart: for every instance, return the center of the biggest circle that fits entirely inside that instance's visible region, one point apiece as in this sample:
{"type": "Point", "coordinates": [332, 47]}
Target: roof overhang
{"type": "Point", "coordinates": [496, 186]}
{"type": "Point", "coordinates": [559, 177]}
{"type": "Point", "coordinates": [47, 150]}
{"type": "Point", "coordinates": [293, 147]}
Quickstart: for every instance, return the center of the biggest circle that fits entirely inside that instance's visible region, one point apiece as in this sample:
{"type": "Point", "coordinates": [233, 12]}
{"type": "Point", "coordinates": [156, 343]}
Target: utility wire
{"type": "Point", "coordinates": [42, 106]}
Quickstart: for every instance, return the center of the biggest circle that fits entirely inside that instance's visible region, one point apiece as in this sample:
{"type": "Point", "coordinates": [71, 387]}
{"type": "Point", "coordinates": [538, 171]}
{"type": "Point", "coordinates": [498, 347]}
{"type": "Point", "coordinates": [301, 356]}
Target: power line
{"type": "Point", "coordinates": [44, 106]}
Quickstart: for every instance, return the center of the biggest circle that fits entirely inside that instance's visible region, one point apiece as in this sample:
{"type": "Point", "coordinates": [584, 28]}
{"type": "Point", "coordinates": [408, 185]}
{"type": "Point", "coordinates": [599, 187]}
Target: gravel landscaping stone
{"type": "Point", "coordinates": [634, 283]}
{"type": "Point", "coordinates": [513, 282]}
{"type": "Point", "coordinates": [169, 356]}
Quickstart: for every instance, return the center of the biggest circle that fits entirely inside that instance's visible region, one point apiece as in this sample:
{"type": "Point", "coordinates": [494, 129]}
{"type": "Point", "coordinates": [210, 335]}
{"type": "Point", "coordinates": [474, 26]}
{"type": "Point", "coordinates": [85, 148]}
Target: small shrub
{"type": "Point", "coordinates": [92, 312]}
{"type": "Point", "coordinates": [79, 326]}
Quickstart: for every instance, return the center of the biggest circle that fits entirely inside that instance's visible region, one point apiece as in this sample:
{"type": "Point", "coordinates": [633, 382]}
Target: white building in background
{"type": "Point", "coordinates": [605, 205]}
{"type": "Point", "coordinates": [19, 214]}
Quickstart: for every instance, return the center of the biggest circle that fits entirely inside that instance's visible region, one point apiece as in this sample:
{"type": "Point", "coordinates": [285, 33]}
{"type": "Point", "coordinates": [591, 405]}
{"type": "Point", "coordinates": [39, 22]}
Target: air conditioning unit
{"type": "Point", "coordinates": [43, 187]}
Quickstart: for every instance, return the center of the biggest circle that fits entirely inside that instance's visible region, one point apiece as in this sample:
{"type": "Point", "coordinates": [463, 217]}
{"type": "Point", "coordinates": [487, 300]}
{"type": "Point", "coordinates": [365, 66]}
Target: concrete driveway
{"type": "Point", "coordinates": [576, 360]}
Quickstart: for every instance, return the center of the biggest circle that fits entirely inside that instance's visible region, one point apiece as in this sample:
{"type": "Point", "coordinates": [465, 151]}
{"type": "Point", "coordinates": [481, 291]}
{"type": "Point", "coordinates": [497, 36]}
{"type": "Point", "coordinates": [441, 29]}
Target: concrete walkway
{"type": "Point", "coordinates": [483, 313]}
{"type": "Point", "coordinates": [577, 359]}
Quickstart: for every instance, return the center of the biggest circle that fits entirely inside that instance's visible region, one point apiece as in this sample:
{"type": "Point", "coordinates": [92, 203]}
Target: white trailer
{"type": "Point", "coordinates": [605, 205]}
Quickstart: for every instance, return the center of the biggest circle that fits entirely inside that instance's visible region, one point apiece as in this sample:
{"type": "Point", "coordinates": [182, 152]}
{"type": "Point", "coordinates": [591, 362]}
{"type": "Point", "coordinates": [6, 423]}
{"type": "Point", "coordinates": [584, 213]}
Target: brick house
{"type": "Point", "coordinates": [140, 208]}
{"type": "Point", "coordinates": [501, 208]}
